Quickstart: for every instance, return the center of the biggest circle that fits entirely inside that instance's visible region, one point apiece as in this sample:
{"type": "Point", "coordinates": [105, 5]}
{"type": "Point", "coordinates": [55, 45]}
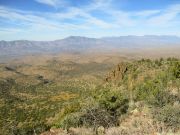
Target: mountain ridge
{"type": "Point", "coordinates": [104, 37]}
{"type": "Point", "coordinates": [83, 44]}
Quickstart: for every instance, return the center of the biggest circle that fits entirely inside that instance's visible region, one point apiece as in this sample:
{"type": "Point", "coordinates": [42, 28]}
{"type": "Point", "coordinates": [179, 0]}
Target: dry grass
{"type": "Point", "coordinates": [63, 96]}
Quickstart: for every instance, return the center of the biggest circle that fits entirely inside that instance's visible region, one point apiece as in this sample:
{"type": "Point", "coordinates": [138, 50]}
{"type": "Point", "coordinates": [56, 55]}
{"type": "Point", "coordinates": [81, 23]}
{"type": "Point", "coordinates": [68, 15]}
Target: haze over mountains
{"type": "Point", "coordinates": [82, 44]}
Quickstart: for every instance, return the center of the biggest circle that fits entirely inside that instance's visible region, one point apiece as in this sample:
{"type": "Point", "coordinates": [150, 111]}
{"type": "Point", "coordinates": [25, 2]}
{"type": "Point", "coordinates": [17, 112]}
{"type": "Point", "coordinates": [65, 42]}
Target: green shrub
{"type": "Point", "coordinates": [170, 115]}
{"type": "Point", "coordinates": [112, 104]}
{"type": "Point", "coordinates": [148, 90]}
{"type": "Point", "coordinates": [176, 69]}
{"type": "Point", "coordinates": [163, 98]}
{"type": "Point", "coordinates": [112, 100]}
{"type": "Point", "coordinates": [70, 120]}
{"type": "Point", "coordinates": [102, 110]}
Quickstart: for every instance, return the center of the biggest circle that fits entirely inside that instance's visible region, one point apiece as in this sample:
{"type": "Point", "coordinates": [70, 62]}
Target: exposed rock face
{"type": "Point", "coordinates": [117, 73]}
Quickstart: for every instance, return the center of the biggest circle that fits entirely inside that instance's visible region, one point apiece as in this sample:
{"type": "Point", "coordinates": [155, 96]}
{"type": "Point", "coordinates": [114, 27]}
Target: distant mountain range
{"type": "Point", "coordinates": [77, 43]}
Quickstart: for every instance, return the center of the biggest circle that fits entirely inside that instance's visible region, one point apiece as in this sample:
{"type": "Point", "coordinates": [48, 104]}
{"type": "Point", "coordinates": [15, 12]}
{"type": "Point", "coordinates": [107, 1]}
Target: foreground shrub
{"type": "Point", "coordinates": [95, 117]}
{"type": "Point", "coordinates": [170, 115]}
{"type": "Point", "coordinates": [148, 90]}
{"type": "Point", "coordinates": [70, 120]}
{"type": "Point", "coordinates": [163, 98]}
{"type": "Point", "coordinates": [111, 105]}
{"type": "Point", "coordinates": [102, 109]}
{"type": "Point", "coordinates": [176, 69]}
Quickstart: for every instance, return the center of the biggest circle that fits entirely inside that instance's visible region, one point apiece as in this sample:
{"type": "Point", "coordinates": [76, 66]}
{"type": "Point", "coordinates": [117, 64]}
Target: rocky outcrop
{"type": "Point", "coordinates": [118, 73]}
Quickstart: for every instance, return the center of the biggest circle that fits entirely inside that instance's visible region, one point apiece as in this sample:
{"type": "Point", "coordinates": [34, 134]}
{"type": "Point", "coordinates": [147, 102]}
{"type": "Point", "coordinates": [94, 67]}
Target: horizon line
{"type": "Point", "coordinates": [177, 36]}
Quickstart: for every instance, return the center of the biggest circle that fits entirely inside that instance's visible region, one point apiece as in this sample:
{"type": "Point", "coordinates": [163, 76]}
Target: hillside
{"type": "Point", "coordinates": [66, 94]}
{"type": "Point", "coordinates": [140, 97]}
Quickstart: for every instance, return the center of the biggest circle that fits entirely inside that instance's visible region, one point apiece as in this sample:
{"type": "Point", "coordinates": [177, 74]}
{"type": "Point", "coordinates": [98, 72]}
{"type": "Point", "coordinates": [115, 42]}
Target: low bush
{"type": "Point", "coordinates": [95, 117]}
{"type": "Point", "coordinates": [103, 109]}
{"type": "Point", "coordinates": [70, 120]}
{"type": "Point", "coordinates": [176, 69]}
{"type": "Point", "coordinates": [170, 115]}
{"type": "Point", "coordinates": [111, 105]}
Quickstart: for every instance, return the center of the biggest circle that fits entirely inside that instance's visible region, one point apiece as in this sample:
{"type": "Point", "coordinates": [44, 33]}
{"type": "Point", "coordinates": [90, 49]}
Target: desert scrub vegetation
{"type": "Point", "coordinates": [76, 96]}
{"type": "Point", "coordinates": [169, 115]}
{"type": "Point", "coordinates": [103, 108]}
{"type": "Point", "coordinates": [34, 97]}
{"type": "Point", "coordinates": [154, 82]}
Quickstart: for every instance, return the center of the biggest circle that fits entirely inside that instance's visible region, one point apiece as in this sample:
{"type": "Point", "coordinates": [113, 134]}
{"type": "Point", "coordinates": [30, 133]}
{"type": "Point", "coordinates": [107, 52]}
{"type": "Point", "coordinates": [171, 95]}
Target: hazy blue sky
{"type": "Point", "coordinates": [56, 19]}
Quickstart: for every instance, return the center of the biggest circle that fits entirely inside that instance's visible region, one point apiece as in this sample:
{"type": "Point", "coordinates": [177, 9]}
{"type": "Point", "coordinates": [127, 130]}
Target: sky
{"type": "Point", "coordinates": [57, 19]}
